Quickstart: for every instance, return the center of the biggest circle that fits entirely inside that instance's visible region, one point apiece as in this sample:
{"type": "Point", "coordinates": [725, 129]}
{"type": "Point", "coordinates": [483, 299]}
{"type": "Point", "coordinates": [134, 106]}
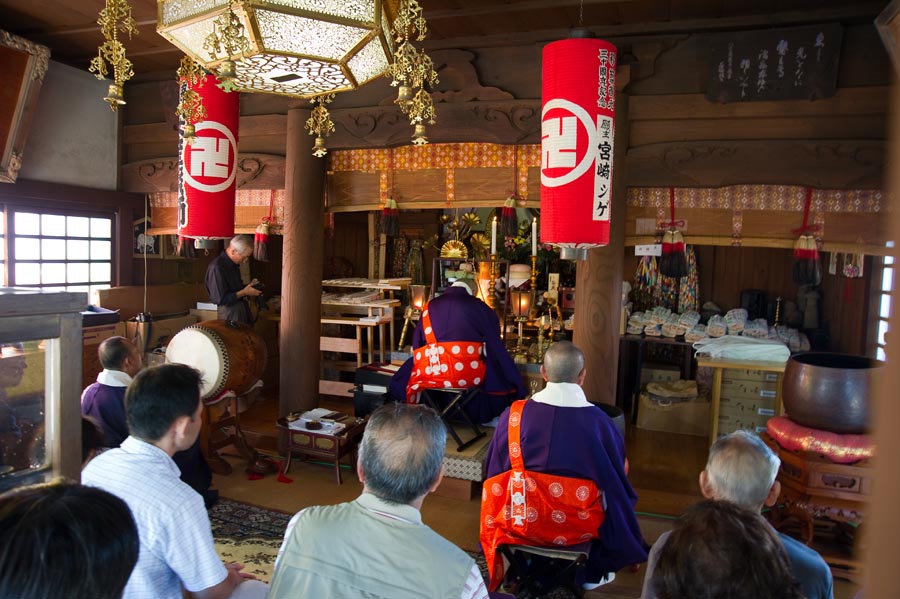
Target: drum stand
{"type": "Point", "coordinates": [222, 428]}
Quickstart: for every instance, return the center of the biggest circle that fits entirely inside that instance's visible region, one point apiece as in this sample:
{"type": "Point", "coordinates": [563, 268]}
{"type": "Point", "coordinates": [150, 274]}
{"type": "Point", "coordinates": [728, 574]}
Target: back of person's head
{"type": "Point", "coordinates": [241, 243]}
{"type": "Point", "coordinates": [159, 396]}
{"type": "Point", "coordinates": [114, 351]}
{"type": "Point", "coordinates": [65, 540]}
{"type": "Point", "coordinates": [719, 550]}
{"type": "Point", "coordinates": [563, 362]}
{"type": "Point", "coordinates": [402, 451]}
{"type": "Point", "coordinates": [741, 468]}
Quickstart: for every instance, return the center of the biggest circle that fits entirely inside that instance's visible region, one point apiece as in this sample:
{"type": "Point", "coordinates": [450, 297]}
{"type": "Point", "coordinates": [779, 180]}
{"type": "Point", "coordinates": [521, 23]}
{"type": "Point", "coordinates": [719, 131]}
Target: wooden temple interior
{"type": "Point", "coordinates": [740, 170]}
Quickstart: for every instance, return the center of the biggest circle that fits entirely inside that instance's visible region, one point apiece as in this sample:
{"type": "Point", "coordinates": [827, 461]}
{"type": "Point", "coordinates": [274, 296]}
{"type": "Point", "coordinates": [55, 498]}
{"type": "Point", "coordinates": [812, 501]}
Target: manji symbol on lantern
{"type": "Point", "coordinates": [577, 126]}
{"type": "Point", "coordinates": [209, 166]}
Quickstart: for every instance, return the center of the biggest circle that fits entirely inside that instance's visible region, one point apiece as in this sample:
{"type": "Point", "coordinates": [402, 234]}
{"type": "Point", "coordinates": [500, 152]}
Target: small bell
{"type": "Point", "coordinates": [319, 150]}
{"type": "Point", "coordinates": [227, 74]}
{"type": "Point", "coordinates": [114, 96]}
{"type": "Point", "coordinates": [404, 97]}
{"type": "Point", "coordinates": [189, 134]}
{"type": "Point", "coordinates": [419, 138]}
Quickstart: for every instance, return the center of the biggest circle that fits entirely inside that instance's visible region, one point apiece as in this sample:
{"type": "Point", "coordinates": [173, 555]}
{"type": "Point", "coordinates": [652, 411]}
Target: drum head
{"type": "Point", "coordinates": [201, 349]}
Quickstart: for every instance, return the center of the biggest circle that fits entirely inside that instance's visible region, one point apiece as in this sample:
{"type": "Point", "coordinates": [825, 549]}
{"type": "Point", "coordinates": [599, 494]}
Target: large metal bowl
{"type": "Point", "coordinates": [830, 391]}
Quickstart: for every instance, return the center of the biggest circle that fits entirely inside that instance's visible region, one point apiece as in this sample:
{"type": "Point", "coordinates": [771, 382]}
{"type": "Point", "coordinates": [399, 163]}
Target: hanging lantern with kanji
{"type": "Point", "coordinates": [208, 166]}
{"type": "Point", "coordinates": [577, 129]}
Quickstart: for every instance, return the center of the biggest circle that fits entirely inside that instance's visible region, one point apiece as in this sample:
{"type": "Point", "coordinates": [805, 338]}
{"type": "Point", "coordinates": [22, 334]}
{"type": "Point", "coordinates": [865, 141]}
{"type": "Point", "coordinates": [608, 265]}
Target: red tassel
{"type": "Point", "coordinates": [261, 242]}
{"type": "Point", "coordinates": [390, 218]}
{"type": "Point", "coordinates": [254, 476]}
{"type": "Point", "coordinates": [283, 479]}
{"type": "Point", "coordinates": [673, 262]}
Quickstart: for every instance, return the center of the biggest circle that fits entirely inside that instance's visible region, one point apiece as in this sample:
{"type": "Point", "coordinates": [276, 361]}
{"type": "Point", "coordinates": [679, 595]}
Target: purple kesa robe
{"type": "Point", "coordinates": [580, 442]}
{"type": "Point", "coordinates": [457, 316]}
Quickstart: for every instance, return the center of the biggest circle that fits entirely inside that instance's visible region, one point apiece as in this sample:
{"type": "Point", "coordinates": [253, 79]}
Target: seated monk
{"type": "Point", "coordinates": [563, 434]}
{"type": "Point", "coordinates": [458, 316]}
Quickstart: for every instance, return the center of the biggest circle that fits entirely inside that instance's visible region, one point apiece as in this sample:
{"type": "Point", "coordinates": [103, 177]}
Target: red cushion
{"type": "Point", "coordinates": [841, 449]}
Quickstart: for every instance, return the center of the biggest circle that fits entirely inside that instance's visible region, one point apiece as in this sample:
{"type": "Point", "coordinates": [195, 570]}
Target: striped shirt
{"type": "Point", "coordinates": [176, 543]}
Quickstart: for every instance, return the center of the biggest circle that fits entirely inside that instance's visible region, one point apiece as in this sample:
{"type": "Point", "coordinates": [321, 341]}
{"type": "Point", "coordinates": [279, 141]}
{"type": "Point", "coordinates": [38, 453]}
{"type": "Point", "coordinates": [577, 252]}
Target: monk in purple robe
{"type": "Point", "coordinates": [458, 316]}
{"type": "Point", "coordinates": [564, 434]}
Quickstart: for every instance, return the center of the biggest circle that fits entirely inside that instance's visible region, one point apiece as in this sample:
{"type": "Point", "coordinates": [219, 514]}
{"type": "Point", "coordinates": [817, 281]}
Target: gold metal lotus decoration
{"type": "Point", "coordinates": [113, 18]}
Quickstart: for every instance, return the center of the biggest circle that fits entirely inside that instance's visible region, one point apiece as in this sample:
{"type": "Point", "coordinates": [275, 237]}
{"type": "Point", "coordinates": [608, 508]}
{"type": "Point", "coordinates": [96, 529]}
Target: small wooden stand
{"type": "Point", "coordinates": [316, 444]}
{"type": "Point", "coordinates": [823, 497]}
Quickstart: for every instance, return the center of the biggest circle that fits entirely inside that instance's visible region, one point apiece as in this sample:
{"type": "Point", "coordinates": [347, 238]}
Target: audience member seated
{"type": "Point", "coordinates": [720, 550]}
{"type": "Point", "coordinates": [742, 469]}
{"type": "Point", "coordinates": [104, 401]}
{"type": "Point", "coordinates": [164, 413]}
{"type": "Point", "coordinates": [65, 540]}
{"type": "Point", "coordinates": [563, 434]}
{"type": "Point", "coordinates": [458, 316]}
{"type": "Point", "coordinates": [377, 546]}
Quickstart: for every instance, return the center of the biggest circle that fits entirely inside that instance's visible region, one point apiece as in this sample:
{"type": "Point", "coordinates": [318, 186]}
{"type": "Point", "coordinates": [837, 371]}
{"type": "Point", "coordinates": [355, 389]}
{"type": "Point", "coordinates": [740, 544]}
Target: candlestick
{"type": "Point", "coordinates": [534, 236]}
{"type": "Point", "coordinates": [494, 237]}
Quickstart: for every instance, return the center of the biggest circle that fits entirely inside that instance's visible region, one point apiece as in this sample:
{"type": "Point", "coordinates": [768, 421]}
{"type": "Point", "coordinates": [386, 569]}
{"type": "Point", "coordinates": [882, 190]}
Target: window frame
{"type": "Point", "coordinates": [9, 210]}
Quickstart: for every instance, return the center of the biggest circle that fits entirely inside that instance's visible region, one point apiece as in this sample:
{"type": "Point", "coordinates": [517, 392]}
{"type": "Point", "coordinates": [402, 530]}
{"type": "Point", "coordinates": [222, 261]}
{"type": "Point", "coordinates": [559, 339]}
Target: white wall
{"type": "Point", "coordinates": [74, 135]}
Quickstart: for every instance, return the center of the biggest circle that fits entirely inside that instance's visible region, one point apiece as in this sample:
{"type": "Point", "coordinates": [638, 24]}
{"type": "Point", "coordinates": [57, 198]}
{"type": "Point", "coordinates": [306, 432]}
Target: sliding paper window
{"type": "Point", "coordinates": [59, 251]}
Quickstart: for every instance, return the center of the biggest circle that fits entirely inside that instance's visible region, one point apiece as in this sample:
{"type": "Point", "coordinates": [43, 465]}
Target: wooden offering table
{"type": "Point", "coordinates": [320, 444]}
{"type": "Point", "coordinates": [827, 500]}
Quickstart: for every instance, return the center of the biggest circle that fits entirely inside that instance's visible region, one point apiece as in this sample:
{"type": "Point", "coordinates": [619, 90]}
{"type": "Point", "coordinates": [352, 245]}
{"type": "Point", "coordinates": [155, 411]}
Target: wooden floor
{"type": "Point", "coordinates": [663, 468]}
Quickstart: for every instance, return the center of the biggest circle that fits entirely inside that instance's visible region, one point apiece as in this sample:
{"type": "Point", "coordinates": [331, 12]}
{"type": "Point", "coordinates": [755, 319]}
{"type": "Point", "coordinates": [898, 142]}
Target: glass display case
{"type": "Point", "coordinates": [40, 385]}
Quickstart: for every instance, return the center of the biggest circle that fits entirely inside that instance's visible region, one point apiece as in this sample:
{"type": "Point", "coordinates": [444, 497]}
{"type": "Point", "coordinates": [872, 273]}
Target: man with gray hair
{"type": "Point", "coordinates": [224, 284]}
{"type": "Point", "coordinates": [377, 546]}
{"type": "Point", "coordinates": [562, 433]}
{"type": "Point", "coordinates": [741, 469]}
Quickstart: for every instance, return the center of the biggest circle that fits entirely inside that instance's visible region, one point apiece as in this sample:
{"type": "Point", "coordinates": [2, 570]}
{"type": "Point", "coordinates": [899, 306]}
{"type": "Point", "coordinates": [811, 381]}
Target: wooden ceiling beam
{"type": "Point", "coordinates": [855, 12]}
{"type": "Point", "coordinates": [527, 5]}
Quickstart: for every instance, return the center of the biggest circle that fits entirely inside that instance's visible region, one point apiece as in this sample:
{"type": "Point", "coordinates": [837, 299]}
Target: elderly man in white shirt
{"type": "Point", "coordinates": [163, 409]}
{"type": "Point", "coordinates": [377, 546]}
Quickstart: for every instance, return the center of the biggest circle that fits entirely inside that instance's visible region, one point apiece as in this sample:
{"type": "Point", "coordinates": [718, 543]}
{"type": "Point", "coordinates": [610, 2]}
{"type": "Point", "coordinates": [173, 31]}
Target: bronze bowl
{"type": "Point", "coordinates": [830, 391]}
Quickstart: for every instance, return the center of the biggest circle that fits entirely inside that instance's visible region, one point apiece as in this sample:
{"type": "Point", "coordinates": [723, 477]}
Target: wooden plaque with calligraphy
{"type": "Point", "coordinates": [800, 63]}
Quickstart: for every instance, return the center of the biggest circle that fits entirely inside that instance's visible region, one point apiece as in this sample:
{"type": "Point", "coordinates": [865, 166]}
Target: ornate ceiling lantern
{"type": "Point", "coordinates": [319, 123]}
{"type": "Point", "coordinates": [299, 48]}
{"type": "Point", "coordinates": [577, 131]}
{"type": "Point", "coordinates": [113, 18]}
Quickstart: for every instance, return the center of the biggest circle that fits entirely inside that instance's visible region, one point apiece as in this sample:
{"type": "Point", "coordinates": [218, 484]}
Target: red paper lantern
{"type": "Point", "coordinates": [208, 167]}
{"type": "Point", "coordinates": [577, 129]}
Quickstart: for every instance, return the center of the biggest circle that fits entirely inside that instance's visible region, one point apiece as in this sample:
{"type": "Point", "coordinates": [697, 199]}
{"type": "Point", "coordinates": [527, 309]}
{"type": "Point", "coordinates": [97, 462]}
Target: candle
{"type": "Point", "coordinates": [534, 236]}
{"type": "Point", "coordinates": [494, 237]}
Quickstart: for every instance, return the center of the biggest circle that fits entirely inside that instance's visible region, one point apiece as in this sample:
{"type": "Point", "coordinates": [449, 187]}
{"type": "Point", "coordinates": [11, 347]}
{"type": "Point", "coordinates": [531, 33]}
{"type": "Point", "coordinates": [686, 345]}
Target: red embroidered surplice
{"type": "Point", "coordinates": [444, 364]}
{"type": "Point", "coordinates": [520, 507]}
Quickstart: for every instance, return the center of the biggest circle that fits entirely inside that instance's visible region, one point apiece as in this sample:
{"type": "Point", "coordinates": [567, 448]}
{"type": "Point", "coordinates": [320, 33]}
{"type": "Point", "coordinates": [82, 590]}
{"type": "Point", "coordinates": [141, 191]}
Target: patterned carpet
{"type": "Point", "coordinates": [251, 535]}
{"type": "Point", "coordinates": [248, 534]}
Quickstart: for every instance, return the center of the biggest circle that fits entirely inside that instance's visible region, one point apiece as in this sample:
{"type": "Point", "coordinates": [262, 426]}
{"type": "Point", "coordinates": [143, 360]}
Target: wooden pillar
{"type": "Point", "coordinates": [598, 284]}
{"type": "Point", "coordinates": [301, 275]}
{"type": "Point", "coordinates": [882, 520]}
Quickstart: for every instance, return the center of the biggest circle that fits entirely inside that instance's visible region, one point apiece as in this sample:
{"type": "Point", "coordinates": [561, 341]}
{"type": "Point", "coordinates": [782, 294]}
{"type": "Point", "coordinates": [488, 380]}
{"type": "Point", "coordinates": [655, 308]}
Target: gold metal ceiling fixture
{"type": "Point", "coordinates": [190, 108]}
{"type": "Point", "coordinates": [228, 40]}
{"type": "Point", "coordinates": [298, 48]}
{"type": "Point", "coordinates": [319, 123]}
{"type": "Point", "coordinates": [113, 18]}
{"type": "Point", "coordinates": [413, 70]}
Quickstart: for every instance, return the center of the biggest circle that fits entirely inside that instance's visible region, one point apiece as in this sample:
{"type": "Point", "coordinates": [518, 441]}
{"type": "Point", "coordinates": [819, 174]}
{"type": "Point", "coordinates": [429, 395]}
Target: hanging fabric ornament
{"type": "Point", "coordinates": [673, 262]}
{"type": "Point", "coordinates": [390, 218]}
{"type": "Point", "coordinates": [807, 270]}
{"type": "Point", "coordinates": [509, 226]}
{"type": "Point", "coordinates": [185, 248]}
{"type": "Point", "coordinates": [261, 237]}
